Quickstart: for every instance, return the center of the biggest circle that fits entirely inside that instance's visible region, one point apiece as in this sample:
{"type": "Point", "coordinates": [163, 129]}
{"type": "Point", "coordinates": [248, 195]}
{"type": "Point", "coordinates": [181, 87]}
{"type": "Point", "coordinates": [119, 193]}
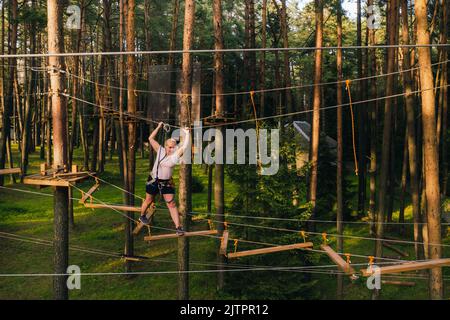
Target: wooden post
{"type": "Point", "coordinates": [131, 103]}
{"type": "Point", "coordinates": [185, 200]}
{"type": "Point", "coordinates": [59, 120]}
{"type": "Point", "coordinates": [431, 160]}
{"type": "Point", "coordinates": [339, 167]}
{"type": "Point", "coordinates": [219, 182]}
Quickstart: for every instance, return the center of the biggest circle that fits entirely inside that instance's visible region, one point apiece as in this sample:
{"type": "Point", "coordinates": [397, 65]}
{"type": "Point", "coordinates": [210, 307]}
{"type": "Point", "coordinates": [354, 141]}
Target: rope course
{"type": "Point", "coordinates": [200, 51]}
{"type": "Point", "coordinates": [46, 69]}
{"type": "Point", "coordinates": [319, 269]}
{"type": "Point", "coordinates": [324, 236]}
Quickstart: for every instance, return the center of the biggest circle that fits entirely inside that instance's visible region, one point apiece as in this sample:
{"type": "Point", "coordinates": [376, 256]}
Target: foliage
{"type": "Point", "coordinates": [197, 185]}
{"type": "Point", "coordinates": [270, 197]}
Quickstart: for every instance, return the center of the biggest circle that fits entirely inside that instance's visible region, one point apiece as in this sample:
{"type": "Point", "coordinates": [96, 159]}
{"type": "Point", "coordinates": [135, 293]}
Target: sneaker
{"type": "Point", "coordinates": [180, 231]}
{"type": "Point", "coordinates": [144, 219]}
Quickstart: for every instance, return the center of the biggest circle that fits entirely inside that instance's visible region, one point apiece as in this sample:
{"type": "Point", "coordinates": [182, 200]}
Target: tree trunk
{"type": "Point", "coordinates": [122, 135]}
{"type": "Point", "coordinates": [443, 100]}
{"type": "Point", "coordinates": [173, 33]}
{"type": "Point", "coordinates": [76, 66]}
{"type": "Point", "coordinates": [262, 63]}
{"type": "Point", "coordinates": [339, 172]}
{"type": "Point", "coordinates": [411, 129]}
{"type": "Point", "coordinates": [10, 88]}
{"type": "Point", "coordinates": [219, 187]}
{"type": "Point", "coordinates": [32, 86]}
{"type": "Point", "coordinates": [131, 103]}
{"type": "Point", "coordinates": [185, 198]}
{"type": "Point", "coordinates": [316, 110]}
{"type": "Point", "coordinates": [401, 214]}
{"type": "Point", "coordinates": [361, 114]}
{"type": "Point", "coordinates": [387, 130]}
{"type": "Point", "coordinates": [430, 148]}
{"type": "Point", "coordinates": [373, 125]}
{"type": "Point", "coordinates": [59, 117]}
{"type": "Point", "coordinates": [287, 74]}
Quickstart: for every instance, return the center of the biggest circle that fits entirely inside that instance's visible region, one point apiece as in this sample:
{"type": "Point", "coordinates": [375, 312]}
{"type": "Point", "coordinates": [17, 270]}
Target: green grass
{"type": "Point", "coordinates": [32, 216]}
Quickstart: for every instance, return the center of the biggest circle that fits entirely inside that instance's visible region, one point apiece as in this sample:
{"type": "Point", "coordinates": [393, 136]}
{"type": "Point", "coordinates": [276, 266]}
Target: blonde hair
{"type": "Point", "coordinates": [169, 141]}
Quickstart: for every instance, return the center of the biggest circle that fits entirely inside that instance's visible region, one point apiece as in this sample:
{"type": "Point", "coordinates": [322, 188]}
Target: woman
{"type": "Point", "coordinates": [160, 181]}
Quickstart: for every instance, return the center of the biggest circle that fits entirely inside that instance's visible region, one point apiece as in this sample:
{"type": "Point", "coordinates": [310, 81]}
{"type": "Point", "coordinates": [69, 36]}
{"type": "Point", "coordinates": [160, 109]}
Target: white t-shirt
{"type": "Point", "coordinates": [166, 164]}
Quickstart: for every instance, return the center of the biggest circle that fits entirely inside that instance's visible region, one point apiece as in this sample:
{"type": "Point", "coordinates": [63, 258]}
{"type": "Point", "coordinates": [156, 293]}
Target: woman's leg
{"type": "Point", "coordinates": [172, 206]}
{"type": "Point", "coordinates": [148, 201]}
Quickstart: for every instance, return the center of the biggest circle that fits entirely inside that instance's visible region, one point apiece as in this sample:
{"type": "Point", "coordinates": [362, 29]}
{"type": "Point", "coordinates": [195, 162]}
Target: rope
{"type": "Point", "coordinates": [244, 92]}
{"type": "Point", "coordinates": [332, 235]}
{"type": "Point", "coordinates": [347, 87]}
{"type": "Point", "coordinates": [258, 156]}
{"type": "Point", "coordinates": [280, 229]}
{"type": "Point", "coordinates": [198, 51]}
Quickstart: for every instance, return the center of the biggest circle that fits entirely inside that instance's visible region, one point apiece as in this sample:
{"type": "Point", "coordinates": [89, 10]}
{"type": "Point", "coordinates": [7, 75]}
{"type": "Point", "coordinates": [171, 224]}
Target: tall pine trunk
{"type": "Point", "coordinates": [59, 121]}
{"type": "Point", "coordinates": [339, 172]}
{"type": "Point", "coordinates": [411, 129]}
{"type": "Point", "coordinates": [431, 165]}
{"type": "Point", "coordinates": [131, 104]}
{"type": "Point", "coordinates": [185, 169]}
{"type": "Point", "coordinates": [9, 101]}
{"type": "Point", "coordinates": [219, 185]}
{"type": "Point", "coordinates": [317, 102]}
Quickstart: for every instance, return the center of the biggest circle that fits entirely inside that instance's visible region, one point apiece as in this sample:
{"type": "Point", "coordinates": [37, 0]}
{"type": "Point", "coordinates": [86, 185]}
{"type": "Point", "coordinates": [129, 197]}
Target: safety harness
{"type": "Point", "coordinates": [162, 182]}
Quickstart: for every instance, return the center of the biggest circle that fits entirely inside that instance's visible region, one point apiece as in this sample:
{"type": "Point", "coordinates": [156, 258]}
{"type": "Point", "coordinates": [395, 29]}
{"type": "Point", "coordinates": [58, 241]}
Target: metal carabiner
{"type": "Point", "coordinates": [166, 127]}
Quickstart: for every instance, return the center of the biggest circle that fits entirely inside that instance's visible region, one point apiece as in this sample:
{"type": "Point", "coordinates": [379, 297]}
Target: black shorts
{"type": "Point", "coordinates": [153, 187]}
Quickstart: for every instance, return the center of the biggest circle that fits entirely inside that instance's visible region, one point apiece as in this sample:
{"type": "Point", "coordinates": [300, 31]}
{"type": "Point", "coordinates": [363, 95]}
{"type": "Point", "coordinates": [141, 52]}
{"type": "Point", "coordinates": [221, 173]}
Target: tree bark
{"type": "Point", "coordinates": [339, 172]}
{"type": "Point", "coordinates": [173, 33]}
{"type": "Point", "coordinates": [411, 129]}
{"type": "Point", "coordinates": [373, 125]}
{"type": "Point", "coordinates": [219, 186]}
{"type": "Point", "coordinates": [131, 103]}
{"type": "Point", "coordinates": [9, 101]}
{"type": "Point", "coordinates": [287, 74]}
{"type": "Point", "coordinates": [59, 120]}
{"type": "Point", "coordinates": [315, 131]}
{"type": "Point", "coordinates": [262, 63]}
{"type": "Point", "coordinates": [387, 130]}
{"type": "Point", "coordinates": [430, 148]}
{"type": "Point", "coordinates": [185, 196]}
{"type": "Point", "coordinates": [361, 114]}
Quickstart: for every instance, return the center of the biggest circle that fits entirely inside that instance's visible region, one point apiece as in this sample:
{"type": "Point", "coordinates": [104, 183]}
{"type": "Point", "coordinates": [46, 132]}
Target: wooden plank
{"type": "Point", "coordinates": [134, 258]}
{"type": "Point", "coordinates": [42, 182]}
{"type": "Point", "coordinates": [400, 252]}
{"type": "Point", "coordinates": [43, 169]}
{"type": "Point", "coordinates": [270, 250]}
{"type": "Point", "coordinates": [78, 179]}
{"type": "Point", "coordinates": [89, 193]}
{"type": "Point", "coordinates": [108, 206]}
{"type": "Point", "coordinates": [399, 283]}
{"type": "Point", "coordinates": [72, 174]}
{"type": "Point", "coordinates": [224, 243]}
{"type": "Point", "coordinates": [150, 211]}
{"type": "Point", "coordinates": [174, 235]}
{"type": "Point", "coordinates": [336, 258]}
{"type": "Point", "coordinates": [410, 266]}
{"type": "Point", "coordinates": [10, 171]}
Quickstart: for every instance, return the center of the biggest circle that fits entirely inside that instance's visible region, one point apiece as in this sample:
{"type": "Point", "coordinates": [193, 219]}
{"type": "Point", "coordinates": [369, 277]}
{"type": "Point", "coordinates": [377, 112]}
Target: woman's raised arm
{"type": "Point", "coordinates": [155, 145]}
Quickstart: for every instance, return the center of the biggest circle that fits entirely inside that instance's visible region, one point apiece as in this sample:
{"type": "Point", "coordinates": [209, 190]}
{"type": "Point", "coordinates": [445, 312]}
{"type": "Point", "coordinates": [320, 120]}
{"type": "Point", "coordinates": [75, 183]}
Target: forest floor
{"type": "Point", "coordinates": [31, 216]}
